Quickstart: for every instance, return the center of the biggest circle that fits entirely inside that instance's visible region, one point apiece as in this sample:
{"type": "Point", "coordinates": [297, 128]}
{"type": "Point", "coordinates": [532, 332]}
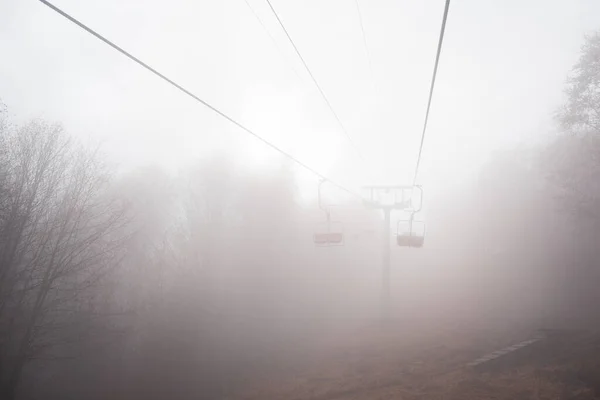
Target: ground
{"type": "Point", "coordinates": [396, 362]}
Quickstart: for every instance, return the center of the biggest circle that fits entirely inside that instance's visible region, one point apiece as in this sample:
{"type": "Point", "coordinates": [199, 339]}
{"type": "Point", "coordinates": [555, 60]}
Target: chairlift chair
{"type": "Point", "coordinates": [330, 233]}
{"type": "Point", "coordinates": [410, 233]}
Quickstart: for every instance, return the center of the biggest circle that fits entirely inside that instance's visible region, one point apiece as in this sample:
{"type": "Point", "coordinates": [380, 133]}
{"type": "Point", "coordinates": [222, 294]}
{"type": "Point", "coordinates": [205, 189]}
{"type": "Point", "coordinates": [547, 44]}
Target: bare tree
{"type": "Point", "coordinates": [59, 236]}
{"type": "Point", "coordinates": [573, 159]}
{"type": "Point", "coordinates": [571, 163]}
{"type": "Point", "coordinates": [581, 113]}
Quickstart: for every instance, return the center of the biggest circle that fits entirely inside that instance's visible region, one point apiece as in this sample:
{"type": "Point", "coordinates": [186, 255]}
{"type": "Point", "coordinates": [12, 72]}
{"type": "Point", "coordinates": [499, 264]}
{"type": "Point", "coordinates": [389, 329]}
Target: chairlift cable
{"type": "Point", "coordinates": [410, 240]}
{"type": "Point", "coordinates": [435, 68]}
{"type": "Point", "coordinates": [364, 37]}
{"type": "Point", "coordinates": [195, 97]}
{"type": "Point", "coordinates": [312, 77]}
{"type": "Point", "coordinates": [273, 41]}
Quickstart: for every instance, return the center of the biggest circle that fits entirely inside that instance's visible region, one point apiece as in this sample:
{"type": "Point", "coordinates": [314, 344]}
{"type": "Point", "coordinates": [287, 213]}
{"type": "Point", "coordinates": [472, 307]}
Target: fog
{"type": "Point", "coordinates": [149, 249]}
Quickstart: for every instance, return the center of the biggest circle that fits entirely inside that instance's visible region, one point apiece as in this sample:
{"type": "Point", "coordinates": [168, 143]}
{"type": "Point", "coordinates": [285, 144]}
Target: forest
{"type": "Point", "coordinates": [144, 284]}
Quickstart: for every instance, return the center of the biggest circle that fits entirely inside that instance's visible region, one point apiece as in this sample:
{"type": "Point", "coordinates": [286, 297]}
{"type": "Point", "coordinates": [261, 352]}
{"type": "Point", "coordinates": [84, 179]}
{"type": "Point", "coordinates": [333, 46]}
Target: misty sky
{"type": "Point", "coordinates": [501, 76]}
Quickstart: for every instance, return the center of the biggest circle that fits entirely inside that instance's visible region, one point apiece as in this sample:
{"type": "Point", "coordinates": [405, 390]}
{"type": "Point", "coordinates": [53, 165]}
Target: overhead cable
{"type": "Point", "coordinates": [193, 96]}
{"type": "Point", "coordinates": [312, 77]}
{"type": "Point", "coordinates": [271, 37]}
{"type": "Point", "coordinates": [364, 36]}
{"type": "Point", "coordinates": [435, 68]}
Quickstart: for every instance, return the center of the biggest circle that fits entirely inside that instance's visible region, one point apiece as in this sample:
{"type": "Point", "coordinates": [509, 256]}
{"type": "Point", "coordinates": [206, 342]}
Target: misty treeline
{"type": "Point", "coordinates": [152, 285]}
{"type": "Point", "coordinates": [519, 244]}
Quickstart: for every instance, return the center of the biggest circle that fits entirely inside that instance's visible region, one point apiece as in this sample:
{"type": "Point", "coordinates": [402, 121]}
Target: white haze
{"type": "Point", "coordinates": [187, 264]}
{"type": "Point", "coordinates": [501, 72]}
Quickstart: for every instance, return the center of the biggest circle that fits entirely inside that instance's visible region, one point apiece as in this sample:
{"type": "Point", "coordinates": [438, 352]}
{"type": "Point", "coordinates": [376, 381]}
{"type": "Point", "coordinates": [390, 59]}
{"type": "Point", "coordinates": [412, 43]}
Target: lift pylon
{"type": "Point", "coordinates": [387, 199]}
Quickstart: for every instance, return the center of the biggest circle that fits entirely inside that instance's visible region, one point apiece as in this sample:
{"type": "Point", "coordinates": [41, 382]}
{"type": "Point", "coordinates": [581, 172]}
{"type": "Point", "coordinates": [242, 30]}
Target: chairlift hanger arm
{"type": "Point", "coordinates": [326, 210]}
{"type": "Point", "coordinates": [420, 188]}
{"type": "Point", "coordinates": [321, 182]}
